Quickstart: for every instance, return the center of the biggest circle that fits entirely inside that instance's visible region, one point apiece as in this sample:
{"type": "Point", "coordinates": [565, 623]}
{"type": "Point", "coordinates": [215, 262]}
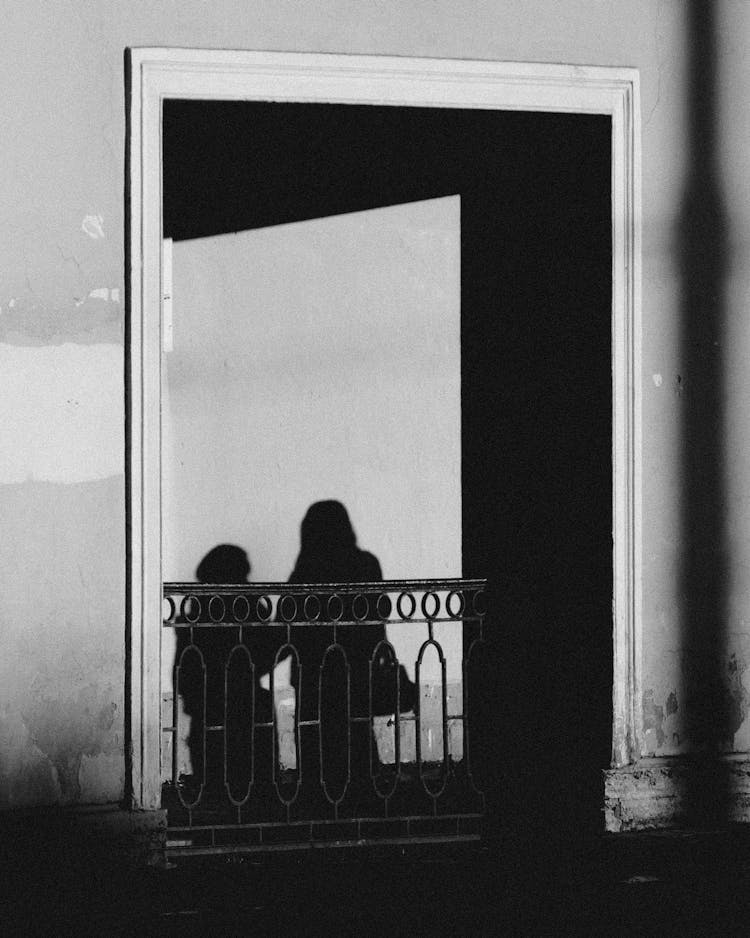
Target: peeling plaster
{"type": "Point", "coordinates": [738, 696]}
{"type": "Point", "coordinates": [653, 723]}
{"type": "Point", "coordinates": [715, 700]}
{"type": "Point", "coordinates": [65, 728]}
{"type": "Point", "coordinates": [95, 317]}
{"type": "Point", "coordinates": [711, 709]}
{"type": "Point", "coordinates": [93, 226]}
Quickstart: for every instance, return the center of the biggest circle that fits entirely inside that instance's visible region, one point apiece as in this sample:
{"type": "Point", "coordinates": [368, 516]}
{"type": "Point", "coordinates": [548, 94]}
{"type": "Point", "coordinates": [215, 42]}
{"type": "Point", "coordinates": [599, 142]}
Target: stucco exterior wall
{"type": "Point", "coordinates": [62, 587]}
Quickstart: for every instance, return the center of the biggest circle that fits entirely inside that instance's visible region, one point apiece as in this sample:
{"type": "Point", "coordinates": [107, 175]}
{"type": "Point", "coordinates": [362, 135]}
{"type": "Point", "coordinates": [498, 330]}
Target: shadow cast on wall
{"type": "Point", "coordinates": [711, 711]}
{"type": "Point", "coordinates": [223, 705]}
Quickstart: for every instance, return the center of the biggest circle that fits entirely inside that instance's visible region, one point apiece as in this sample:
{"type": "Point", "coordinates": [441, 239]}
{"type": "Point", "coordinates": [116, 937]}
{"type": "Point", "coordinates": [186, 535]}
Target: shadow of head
{"type": "Point", "coordinates": [225, 563]}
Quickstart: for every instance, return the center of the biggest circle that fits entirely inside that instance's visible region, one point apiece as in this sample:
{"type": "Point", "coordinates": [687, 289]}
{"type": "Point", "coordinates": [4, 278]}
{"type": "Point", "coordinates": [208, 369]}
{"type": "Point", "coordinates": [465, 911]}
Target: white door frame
{"type": "Point", "coordinates": [155, 74]}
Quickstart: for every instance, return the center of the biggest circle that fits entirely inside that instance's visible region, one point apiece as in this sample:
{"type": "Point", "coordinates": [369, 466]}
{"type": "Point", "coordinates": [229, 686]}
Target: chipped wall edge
{"type": "Point", "coordinates": [656, 793]}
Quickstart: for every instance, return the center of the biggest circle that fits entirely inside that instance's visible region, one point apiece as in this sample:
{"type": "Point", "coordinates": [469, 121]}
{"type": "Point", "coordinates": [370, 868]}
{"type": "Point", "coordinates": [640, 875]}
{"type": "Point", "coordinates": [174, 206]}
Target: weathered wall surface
{"type": "Point", "coordinates": [62, 667]}
{"type": "Point", "coordinates": [259, 317]}
{"type": "Point", "coordinates": [320, 327]}
{"type": "Point", "coordinates": [61, 282]}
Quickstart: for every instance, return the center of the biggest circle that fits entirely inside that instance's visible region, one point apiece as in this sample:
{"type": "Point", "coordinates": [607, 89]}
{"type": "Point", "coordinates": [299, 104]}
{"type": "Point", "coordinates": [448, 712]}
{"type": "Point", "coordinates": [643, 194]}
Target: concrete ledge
{"type": "Point", "coordinates": [667, 793]}
{"type": "Point", "coordinates": [90, 834]}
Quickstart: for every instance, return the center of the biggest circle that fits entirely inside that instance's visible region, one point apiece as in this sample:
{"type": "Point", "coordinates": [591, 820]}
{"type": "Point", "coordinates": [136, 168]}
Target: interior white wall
{"type": "Point", "coordinates": [317, 360]}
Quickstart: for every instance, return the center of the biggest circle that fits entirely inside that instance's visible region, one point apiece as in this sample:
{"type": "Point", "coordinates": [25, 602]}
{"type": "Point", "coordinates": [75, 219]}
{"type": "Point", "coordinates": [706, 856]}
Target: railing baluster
{"type": "Point", "coordinates": [336, 775]}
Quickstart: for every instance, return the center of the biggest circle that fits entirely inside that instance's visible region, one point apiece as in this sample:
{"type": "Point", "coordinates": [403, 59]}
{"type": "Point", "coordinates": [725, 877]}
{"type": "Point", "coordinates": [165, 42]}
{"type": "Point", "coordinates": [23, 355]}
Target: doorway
{"type": "Point", "coordinates": [536, 484]}
{"type": "Point", "coordinates": [530, 193]}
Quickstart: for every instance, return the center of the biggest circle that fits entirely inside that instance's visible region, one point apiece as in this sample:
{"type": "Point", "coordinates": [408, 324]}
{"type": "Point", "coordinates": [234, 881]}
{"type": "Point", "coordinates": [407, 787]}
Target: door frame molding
{"type": "Point", "coordinates": [153, 74]}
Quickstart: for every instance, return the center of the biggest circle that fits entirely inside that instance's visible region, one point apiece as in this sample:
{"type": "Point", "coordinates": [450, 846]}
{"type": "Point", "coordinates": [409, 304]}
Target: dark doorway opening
{"type": "Point", "coordinates": [536, 387]}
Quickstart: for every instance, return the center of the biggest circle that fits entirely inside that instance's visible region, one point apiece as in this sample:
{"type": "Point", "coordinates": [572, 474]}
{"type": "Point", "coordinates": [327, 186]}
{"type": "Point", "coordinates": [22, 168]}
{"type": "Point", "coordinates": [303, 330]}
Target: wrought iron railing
{"type": "Point", "coordinates": [331, 779]}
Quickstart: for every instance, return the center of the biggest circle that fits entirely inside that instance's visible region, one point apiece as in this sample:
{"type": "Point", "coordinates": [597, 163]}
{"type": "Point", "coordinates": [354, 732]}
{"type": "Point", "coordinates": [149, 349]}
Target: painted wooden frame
{"type": "Point", "coordinates": [155, 74]}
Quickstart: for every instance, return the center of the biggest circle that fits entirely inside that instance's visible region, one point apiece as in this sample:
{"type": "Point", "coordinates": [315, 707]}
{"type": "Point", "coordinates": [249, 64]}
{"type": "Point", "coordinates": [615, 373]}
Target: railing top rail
{"type": "Point", "coordinates": [381, 586]}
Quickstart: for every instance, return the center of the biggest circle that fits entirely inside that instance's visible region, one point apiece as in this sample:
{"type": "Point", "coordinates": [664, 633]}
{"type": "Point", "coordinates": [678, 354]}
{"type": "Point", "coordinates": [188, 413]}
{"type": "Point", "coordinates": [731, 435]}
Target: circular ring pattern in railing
{"type": "Point", "coordinates": [263, 608]}
{"type": "Point", "coordinates": [311, 607]}
{"type": "Point", "coordinates": [455, 613]}
{"type": "Point", "coordinates": [478, 603]}
{"type": "Point", "coordinates": [288, 607]}
{"type": "Point", "coordinates": [334, 607]}
{"type": "Point", "coordinates": [169, 616]}
{"type": "Point", "coordinates": [214, 603]}
{"type": "Point", "coordinates": [240, 612]}
{"type": "Point", "coordinates": [435, 599]}
{"type": "Point", "coordinates": [358, 611]}
{"type": "Point", "coordinates": [383, 606]}
{"type": "Point", "coordinates": [190, 602]}
{"type": "Point", "coordinates": [400, 606]}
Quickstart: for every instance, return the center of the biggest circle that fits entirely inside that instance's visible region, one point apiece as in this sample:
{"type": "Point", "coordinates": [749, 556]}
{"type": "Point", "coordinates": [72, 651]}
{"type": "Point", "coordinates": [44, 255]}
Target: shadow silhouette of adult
{"type": "Point", "coordinates": [329, 554]}
{"type": "Point", "coordinates": [229, 723]}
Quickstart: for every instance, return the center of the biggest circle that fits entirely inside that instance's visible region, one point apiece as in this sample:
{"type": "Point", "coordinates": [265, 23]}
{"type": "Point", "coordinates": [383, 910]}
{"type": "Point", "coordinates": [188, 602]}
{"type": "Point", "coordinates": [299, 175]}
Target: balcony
{"type": "Point", "coordinates": [294, 724]}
